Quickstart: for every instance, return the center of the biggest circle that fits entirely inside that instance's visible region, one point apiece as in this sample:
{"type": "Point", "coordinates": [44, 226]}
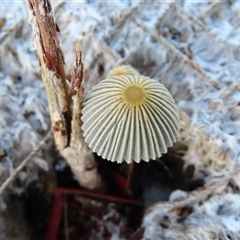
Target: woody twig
{"type": "Point", "coordinates": [65, 126]}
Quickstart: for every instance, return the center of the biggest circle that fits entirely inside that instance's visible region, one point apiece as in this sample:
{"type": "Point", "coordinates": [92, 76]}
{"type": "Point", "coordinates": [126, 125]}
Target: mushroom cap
{"type": "Point", "coordinates": [129, 118]}
{"type": "Point", "coordinates": [122, 70]}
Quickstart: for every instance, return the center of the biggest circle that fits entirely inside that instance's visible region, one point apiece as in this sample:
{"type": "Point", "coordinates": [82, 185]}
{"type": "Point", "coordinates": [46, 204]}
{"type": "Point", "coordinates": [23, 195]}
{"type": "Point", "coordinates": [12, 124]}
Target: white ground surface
{"type": "Point", "coordinates": [192, 48]}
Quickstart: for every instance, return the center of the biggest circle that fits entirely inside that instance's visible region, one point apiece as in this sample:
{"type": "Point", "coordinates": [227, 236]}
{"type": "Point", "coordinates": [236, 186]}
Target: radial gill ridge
{"type": "Point", "coordinates": [129, 118]}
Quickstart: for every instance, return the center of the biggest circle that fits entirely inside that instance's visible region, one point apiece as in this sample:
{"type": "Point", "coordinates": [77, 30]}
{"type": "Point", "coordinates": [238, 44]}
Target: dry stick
{"type": "Point", "coordinates": [197, 23]}
{"type": "Point", "coordinates": [123, 20]}
{"type": "Point", "coordinates": [210, 9]}
{"type": "Point", "coordinates": [194, 21]}
{"type": "Point", "coordinates": [175, 51]}
{"type": "Point", "coordinates": [201, 195]}
{"type": "Point", "coordinates": [52, 65]}
{"type": "Point", "coordinates": [165, 12]}
{"type": "Point", "coordinates": [105, 48]}
{"type": "Point", "coordinates": [78, 155]}
{"type": "Point", "coordinates": [77, 97]}
{"type": "Point", "coordinates": [25, 162]}
{"type": "Point", "coordinates": [122, 61]}
{"type": "Point", "coordinates": [58, 5]}
{"type": "Point", "coordinates": [7, 32]}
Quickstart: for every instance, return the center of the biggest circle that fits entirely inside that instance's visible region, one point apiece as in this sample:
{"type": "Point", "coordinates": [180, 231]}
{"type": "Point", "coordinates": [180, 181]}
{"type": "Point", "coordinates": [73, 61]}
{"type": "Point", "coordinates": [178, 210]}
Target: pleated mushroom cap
{"type": "Point", "coordinates": [122, 70]}
{"type": "Point", "coordinates": [129, 118]}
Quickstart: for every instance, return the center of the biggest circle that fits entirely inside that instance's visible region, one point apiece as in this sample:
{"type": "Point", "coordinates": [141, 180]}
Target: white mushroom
{"type": "Point", "coordinates": [129, 117]}
{"type": "Point", "coordinates": [122, 70]}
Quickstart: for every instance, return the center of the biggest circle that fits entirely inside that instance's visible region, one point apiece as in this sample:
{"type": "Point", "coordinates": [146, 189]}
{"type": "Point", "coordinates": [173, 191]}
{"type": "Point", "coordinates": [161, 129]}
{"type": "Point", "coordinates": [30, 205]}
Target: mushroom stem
{"type": "Point", "coordinates": [129, 176]}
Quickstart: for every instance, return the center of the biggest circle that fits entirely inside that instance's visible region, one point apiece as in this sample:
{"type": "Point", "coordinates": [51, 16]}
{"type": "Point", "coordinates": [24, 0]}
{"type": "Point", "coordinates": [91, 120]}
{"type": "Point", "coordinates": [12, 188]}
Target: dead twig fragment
{"type": "Point", "coordinates": [201, 195]}
{"type": "Point", "coordinates": [210, 9]}
{"type": "Point", "coordinates": [78, 155]}
{"type": "Point", "coordinates": [96, 195]}
{"type": "Point", "coordinates": [175, 51]}
{"type": "Point", "coordinates": [66, 128]}
{"type": "Point", "coordinates": [77, 97]}
{"type": "Point", "coordinates": [77, 73]}
{"type": "Point", "coordinates": [105, 48]}
{"type": "Point", "coordinates": [51, 60]}
{"type": "Point", "coordinates": [41, 145]}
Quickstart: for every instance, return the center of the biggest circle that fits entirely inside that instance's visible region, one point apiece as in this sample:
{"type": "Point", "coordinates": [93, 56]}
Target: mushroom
{"type": "Point", "coordinates": [122, 70]}
{"type": "Point", "coordinates": [129, 117]}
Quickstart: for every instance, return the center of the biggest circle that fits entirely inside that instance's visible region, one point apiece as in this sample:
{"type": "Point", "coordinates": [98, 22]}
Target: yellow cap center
{"type": "Point", "coordinates": [134, 94]}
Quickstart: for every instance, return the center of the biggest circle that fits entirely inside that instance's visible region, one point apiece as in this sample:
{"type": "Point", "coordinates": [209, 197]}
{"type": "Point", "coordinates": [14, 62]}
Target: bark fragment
{"type": "Point", "coordinates": [52, 64]}
{"type": "Point", "coordinates": [66, 125]}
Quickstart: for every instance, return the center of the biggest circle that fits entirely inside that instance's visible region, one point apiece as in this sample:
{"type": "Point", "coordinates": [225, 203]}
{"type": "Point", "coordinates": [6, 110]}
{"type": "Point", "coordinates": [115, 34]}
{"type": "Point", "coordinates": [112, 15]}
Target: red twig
{"type": "Point", "coordinates": [138, 234]}
{"type": "Point", "coordinates": [55, 217]}
{"type": "Point", "coordinates": [129, 176]}
{"type": "Point", "coordinates": [96, 195]}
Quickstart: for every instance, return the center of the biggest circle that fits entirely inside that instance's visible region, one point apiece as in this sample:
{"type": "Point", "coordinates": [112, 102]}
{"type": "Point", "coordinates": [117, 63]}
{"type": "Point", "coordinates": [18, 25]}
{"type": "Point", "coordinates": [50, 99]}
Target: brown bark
{"type": "Point", "coordinates": [78, 154]}
{"type": "Point", "coordinates": [52, 64]}
{"type": "Point", "coordinates": [67, 131]}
